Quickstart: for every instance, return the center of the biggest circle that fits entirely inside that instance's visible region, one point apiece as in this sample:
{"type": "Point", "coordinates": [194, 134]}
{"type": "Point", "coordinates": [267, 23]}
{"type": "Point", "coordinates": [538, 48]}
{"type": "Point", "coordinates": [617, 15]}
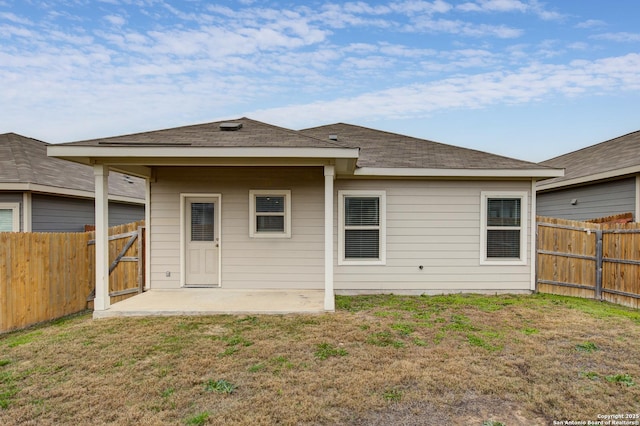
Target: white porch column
{"type": "Point", "coordinates": [329, 298]}
{"type": "Point", "coordinates": [534, 236]}
{"type": "Point", "coordinates": [101, 174]}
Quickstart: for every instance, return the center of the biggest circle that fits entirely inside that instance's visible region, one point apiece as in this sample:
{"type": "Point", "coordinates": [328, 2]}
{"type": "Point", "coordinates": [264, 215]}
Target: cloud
{"type": "Point", "coordinates": [591, 23]}
{"type": "Point", "coordinates": [529, 84]}
{"type": "Point", "coordinates": [116, 20]}
{"type": "Point", "coordinates": [622, 37]}
{"type": "Point", "coordinates": [508, 6]}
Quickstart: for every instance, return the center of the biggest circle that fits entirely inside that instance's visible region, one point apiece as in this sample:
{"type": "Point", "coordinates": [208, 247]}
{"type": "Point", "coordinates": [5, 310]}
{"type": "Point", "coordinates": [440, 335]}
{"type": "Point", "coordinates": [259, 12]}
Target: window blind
{"type": "Point", "coordinates": [202, 220]}
{"type": "Point", "coordinates": [6, 220]}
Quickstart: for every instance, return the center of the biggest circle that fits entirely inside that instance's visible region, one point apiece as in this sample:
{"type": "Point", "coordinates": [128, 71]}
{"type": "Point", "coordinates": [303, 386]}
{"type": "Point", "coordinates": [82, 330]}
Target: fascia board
{"type": "Point", "coordinates": [542, 186]}
{"type": "Point", "coordinates": [54, 190]}
{"type": "Point", "coordinates": [480, 173]}
{"type": "Point", "coordinates": [74, 151]}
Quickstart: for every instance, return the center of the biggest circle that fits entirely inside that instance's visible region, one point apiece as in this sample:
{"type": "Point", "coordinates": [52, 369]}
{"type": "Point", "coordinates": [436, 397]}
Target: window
{"type": "Point", "coordinates": [362, 237]}
{"type": "Point", "coordinates": [9, 217]}
{"type": "Point", "coordinates": [202, 221]}
{"type": "Point", "coordinates": [270, 214]}
{"type": "Point", "coordinates": [504, 218]}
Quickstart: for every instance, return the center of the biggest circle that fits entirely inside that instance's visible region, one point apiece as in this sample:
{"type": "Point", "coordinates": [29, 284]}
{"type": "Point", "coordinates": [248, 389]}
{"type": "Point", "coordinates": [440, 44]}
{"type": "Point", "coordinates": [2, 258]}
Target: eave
{"type": "Point", "coordinates": [66, 192]}
{"type": "Point", "coordinates": [457, 173]}
{"type": "Point", "coordinates": [610, 174]}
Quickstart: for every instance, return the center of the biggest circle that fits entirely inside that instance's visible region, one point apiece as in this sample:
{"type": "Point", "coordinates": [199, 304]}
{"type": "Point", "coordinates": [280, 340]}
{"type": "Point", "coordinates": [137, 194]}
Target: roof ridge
{"type": "Point", "coordinates": [23, 163]}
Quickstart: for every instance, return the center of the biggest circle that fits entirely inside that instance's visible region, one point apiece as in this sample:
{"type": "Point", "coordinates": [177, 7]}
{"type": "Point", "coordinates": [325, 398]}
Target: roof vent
{"type": "Point", "coordinates": [333, 137]}
{"type": "Point", "coordinates": [230, 127]}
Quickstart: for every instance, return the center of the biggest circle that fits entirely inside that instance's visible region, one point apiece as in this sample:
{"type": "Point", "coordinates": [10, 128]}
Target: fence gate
{"type": "Point", "coordinates": [126, 253]}
{"type": "Point", "coordinates": [589, 260]}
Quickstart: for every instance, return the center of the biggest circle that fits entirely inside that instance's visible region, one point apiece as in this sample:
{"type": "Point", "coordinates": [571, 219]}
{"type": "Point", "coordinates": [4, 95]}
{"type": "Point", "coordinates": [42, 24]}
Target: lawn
{"type": "Point", "coordinates": [459, 359]}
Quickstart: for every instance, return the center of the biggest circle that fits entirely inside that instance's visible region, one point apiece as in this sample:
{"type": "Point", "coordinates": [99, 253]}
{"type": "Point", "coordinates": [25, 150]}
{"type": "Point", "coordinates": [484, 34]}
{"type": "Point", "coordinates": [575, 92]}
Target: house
{"type": "Point", "coordinates": [599, 181]}
{"type": "Point", "coordinates": [43, 194]}
{"type": "Point", "coordinates": [343, 209]}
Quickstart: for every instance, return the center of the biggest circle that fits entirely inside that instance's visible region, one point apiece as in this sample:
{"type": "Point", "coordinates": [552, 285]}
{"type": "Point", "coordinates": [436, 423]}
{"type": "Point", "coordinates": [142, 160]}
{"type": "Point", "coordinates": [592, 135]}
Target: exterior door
{"type": "Point", "coordinates": [202, 241]}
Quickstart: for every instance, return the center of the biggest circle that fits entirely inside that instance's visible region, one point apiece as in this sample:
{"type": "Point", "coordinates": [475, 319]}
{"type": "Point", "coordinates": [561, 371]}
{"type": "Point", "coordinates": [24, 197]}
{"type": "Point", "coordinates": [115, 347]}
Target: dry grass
{"type": "Point", "coordinates": [378, 360]}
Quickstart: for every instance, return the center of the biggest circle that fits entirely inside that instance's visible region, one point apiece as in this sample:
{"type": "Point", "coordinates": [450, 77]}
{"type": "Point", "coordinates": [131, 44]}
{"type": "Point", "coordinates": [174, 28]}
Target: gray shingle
{"type": "Point", "coordinates": [252, 134]}
{"type": "Point", "coordinates": [391, 150]}
{"type": "Point", "coordinates": [608, 156]}
{"type": "Point", "coordinates": [24, 160]}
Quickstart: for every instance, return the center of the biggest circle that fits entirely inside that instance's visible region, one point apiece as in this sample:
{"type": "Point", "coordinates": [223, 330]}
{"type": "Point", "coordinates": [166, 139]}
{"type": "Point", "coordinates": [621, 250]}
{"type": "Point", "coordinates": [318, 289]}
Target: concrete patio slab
{"type": "Point", "coordinates": [213, 301]}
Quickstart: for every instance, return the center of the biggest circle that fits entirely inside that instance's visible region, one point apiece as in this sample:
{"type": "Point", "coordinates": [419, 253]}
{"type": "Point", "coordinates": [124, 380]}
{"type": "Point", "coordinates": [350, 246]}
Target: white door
{"type": "Point", "coordinates": [202, 241]}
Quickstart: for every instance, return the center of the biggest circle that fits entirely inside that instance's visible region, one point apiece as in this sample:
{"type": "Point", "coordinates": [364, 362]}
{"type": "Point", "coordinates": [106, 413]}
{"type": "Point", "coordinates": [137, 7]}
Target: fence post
{"type": "Point", "coordinates": [598, 264]}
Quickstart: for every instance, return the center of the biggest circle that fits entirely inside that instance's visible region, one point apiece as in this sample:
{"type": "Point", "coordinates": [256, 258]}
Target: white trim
{"type": "Point", "coordinates": [183, 232]}
{"type": "Point", "coordinates": [484, 196]}
{"type": "Point", "coordinates": [27, 211]}
{"type": "Point", "coordinates": [15, 215]}
{"type": "Point", "coordinates": [487, 173]}
{"type": "Point", "coordinates": [533, 227]}
{"type": "Point", "coordinates": [253, 232]}
{"type": "Point", "coordinates": [329, 295]}
{"type": "Point", "coordinates": [187, 151]}
{"type": "Point", "coordinates": [102, 299]}
{"type": "Point", "coordinates": [54, 190]}
{"type": "Point", "coordinates": [382, 196]}
{"type": "Point", "coordinates": [542, 186]}
{"type": "Point", "coordinates": [636, 216]}
{"type": "Point", "coordinates": [147, 241]}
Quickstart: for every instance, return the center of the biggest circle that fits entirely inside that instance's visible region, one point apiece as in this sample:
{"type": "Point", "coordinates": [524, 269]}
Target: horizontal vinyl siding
{"type": "Point", "coordinates": [67, 214]}
{"type": "Point", "coordinates": [594, 201]}
{"type": "Point", "coordinates": [295, 262]}
{"type": "Point", "coordinates": [436, 224]}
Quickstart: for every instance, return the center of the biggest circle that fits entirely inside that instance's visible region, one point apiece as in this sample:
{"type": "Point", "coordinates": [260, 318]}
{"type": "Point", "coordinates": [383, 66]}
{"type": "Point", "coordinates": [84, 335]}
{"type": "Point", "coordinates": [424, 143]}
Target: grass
{"type": "Point", "coordinates": [459, 359]}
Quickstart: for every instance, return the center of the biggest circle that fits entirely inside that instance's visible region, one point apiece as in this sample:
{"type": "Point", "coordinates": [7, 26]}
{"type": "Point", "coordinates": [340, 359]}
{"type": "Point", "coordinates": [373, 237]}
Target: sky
{"type": "Point", "coordinates": [522, 78]}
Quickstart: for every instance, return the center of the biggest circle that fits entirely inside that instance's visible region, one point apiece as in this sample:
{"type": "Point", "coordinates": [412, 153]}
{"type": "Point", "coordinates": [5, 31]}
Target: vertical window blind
{"type": "Point", "coordinates": [6, 220]}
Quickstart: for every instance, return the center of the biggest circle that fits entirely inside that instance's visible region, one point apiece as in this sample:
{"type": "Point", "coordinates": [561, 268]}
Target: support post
{"type": "Point", "coordinates": [329, 297]}
{"type": "Point", "coordinates": [599, 256]}
{"type": "Point", "coordinates": [102, 300]}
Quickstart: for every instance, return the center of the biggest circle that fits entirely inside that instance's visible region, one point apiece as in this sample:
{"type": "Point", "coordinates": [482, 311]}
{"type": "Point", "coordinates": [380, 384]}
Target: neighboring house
{"type": "Point", "coordinates": [599, 181]}
{"type": "Point", "coordinates": [44, 194]}
{"type": "Point", "coordinates": [245, 205]}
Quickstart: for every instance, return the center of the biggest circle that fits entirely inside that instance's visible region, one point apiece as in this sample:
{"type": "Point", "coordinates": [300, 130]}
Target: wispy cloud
{"type": "Point", "coordinates": [591, 23]}
{"type": "Point", "coordinates": [622, 37]}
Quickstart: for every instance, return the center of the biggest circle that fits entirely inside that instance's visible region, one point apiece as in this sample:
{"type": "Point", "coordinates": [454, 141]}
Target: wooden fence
{"type": "Point", "coordinates": [591, 260]}
{"type": "Point", "coordinates": [44, 276]}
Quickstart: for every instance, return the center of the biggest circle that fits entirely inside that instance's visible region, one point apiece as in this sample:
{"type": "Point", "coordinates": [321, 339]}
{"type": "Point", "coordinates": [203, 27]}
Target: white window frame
{"type": "Point", "coordinates": [15, 213]}
{"type": "Point", "coordinates": [382, 227]}
{"type": "Point", "coordinates": [253, 232]}
{"type": "Point", "coordinates": [524, 220]}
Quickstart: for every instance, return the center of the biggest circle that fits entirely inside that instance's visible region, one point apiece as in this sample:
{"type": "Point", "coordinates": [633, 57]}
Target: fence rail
{"type": "Point", "coordinates": [44, 276]}
{"type": "Point", "coordinates": [586, 259]}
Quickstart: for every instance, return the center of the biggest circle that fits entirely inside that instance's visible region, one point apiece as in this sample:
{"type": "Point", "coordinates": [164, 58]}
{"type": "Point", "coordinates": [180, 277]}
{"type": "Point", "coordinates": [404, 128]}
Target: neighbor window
{"type": "Point", "coordinates": [362, 237]}
{"type": "Point", "coordinates": [504, 221]}
{"type": "Point", "coordinates": [9, 217]}
{"type": "Point", "coordinates": [270, 214]}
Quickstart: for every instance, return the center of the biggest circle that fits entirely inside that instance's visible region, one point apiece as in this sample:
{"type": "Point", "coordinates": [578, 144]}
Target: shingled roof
{"type": "Point", "coordinates": [246, 133]}
{"type": "Point", "coordinates": [380, 149]}
{"type": "Point", "coordinates": [24, 160]}
{"type": "Point", "coordinates": [610, 157]}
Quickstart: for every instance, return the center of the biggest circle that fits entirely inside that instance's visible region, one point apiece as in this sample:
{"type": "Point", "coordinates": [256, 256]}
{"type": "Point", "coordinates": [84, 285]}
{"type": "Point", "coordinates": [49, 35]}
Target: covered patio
{"type": "Point", "coordinates": [215, 301]}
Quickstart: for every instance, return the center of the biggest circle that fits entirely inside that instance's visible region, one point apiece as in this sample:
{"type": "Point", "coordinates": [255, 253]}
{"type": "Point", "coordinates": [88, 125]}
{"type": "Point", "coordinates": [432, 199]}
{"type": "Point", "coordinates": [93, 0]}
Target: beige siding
{"type": "Point", "coordinates": [295, 262]}
{"type": "Point", "coordinates": [436, 224]}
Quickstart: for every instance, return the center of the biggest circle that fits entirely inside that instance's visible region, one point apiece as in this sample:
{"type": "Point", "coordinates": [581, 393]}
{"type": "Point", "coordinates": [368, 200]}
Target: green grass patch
{"type": "Point", "coordinates": [167, 392]}
{"type": "Point", "coordinates": [587, 347]}
{"type": "Point", "coordinates": [22, 339]}
{"type": "Point", "coordinates": [8, 388]}
{"type": "Point", "coordinates": [478, 341]}
{"type": "Point", "coordinates": [256, 367]}
{"type": "Point", "coordinates": [198, 419]}
{"type": "Point", "coordinates": [591, 375]}
{"type": "Point", "coordinates": [4, 362]}
{"type": "Point", "coordinates": [220, 386]}
{"type": "Point", "coordinates": [326, 350]}
{"type": "Point", "coordinates": [530, 330]}
{"type": "Point", "coordinates": [624, 379]}
{"type": "Point", "coordinates": [384, 338]}
{"type": "Point", "coordinates": [403, 329]}
{"type": "Point", "coordinates": [392, 395]}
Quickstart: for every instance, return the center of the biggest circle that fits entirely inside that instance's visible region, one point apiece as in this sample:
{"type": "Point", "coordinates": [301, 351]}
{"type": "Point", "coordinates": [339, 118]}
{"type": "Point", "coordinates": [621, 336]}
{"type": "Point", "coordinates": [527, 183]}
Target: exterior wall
{"type": "Point", "coordinates": [436, 224]}
{"type": "Point", "coordinates": [66, 214]}
{"type": "Point", "coordinates": [13, 197]}
{"type": "Point", "coordinates": [296, 262]}
{"type": "Point", "coordinates": [594, 201]}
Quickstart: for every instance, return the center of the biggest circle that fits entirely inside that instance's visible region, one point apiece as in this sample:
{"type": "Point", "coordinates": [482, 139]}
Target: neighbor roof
{"type": "Point", "coordinates": [615, 157]}
{"type": "Point", "coordinates": [380, 149]}
{"type": "Point", "coordinates": [24, 164]}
